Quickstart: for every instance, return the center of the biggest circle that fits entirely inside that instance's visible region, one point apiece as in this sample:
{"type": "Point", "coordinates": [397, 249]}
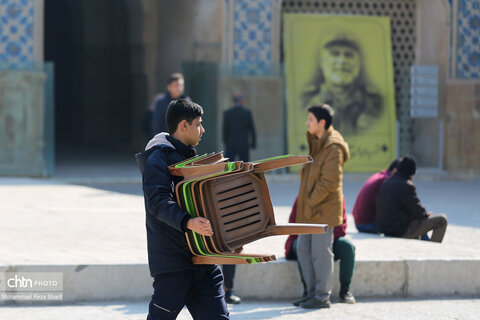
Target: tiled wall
{"type": "Point", "coordinates": [16, 33]}
{"type": "Point", "coordinates": [468, 39]}
{"type": "Point", "coordinates": [252, 37]}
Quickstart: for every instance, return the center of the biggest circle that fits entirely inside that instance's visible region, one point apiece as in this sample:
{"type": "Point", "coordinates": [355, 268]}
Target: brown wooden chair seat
{"type": "Point", "coordinates": [197, 244]}
{"type": "Point", "coordinates": [244, 211]}
{"type": "Point", "coordinates": [237, 203]}
{"type": "Point", "coordinates": [207, 210]}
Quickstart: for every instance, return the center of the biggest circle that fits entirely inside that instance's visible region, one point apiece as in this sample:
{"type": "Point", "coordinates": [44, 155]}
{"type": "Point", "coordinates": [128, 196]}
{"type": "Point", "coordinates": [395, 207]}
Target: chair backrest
{"type": "Point", "coordinates": [210, 159]}
{"type": "Point", "coordinates": [187, 200]}
{"type": "Point", "coordinates": [242, 205]}
{"type": "Point", "coordinates": [208, 210]}
{"type": "Point", "coordinates": [236, 200]}
{"type": "Point", "coordinates": [243, 208]}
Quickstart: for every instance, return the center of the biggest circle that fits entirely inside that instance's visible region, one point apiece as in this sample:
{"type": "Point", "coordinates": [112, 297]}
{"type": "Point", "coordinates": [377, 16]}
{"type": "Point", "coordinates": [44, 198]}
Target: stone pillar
{"type": "Point", "coordinates": [22, 89]}
{"type": "Point", "coordinates": [22, 115]}
{"type": "Point", "coordinates": [141, 42]}
{"type": "Point", "coordinates": [432, 48]}
{"type": "Point", "coordinates": [197, 38]}
{"type": "Point", "coordinates": [38, 31]}
{"type": "Point", "coordinates": [462, 129]}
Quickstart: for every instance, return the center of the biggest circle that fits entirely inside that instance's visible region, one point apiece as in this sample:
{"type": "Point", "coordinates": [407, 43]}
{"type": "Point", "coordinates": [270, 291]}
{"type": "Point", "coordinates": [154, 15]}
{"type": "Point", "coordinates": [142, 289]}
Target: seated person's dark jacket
{"type": "Point", "coordinates": [165, 220]}
{"type": "Point", "coordinates": [397, 205]}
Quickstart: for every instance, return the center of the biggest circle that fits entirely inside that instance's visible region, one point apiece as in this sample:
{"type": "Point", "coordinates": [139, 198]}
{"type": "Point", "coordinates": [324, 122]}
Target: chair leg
{"type": "Point", "coordinates": [295, 228]}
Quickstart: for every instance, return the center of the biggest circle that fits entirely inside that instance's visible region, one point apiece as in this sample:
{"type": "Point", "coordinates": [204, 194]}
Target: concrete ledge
{"type": "Point", "coordinates": [451, 277]}
{"type": "Point", "coordinates": [410, 277]}
{"type": "Point", "coordinates": [96, 282]}
{"type": "Point", "coordinates": [281, 280]}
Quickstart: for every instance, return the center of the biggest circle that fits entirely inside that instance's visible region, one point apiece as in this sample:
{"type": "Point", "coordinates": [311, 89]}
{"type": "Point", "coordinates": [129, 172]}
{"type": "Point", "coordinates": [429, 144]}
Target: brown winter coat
{"type": "Point", "coordinates": [320, 195]}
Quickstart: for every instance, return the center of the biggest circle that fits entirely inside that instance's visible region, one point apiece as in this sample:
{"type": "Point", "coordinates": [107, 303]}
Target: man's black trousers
{"type": "Point", "coordinates": [199, 289]}
{"type": "Point", "coordinates": [233, 151]}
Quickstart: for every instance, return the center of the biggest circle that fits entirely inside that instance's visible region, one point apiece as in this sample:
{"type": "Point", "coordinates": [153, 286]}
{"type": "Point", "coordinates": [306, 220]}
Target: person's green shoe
{"type": "Point", "coordinates": [314, 303]}
{"type": "Point", "coordinates": [232, 298]}
{"type": "Point", "coordinates": [346, 296]}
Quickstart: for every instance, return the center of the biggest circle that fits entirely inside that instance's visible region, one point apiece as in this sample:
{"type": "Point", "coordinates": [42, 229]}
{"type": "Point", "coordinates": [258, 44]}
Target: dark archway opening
{"type": "Point", "coordinates": [88, 42]}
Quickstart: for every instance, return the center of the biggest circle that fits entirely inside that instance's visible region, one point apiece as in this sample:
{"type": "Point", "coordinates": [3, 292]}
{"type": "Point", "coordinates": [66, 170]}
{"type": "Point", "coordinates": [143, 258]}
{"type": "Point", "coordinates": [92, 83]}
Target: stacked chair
{"type": "Point", "coordinates": [234, 196]}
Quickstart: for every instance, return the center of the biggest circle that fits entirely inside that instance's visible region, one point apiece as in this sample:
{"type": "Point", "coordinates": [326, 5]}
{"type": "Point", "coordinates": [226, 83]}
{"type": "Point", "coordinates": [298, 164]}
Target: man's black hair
{"type": "Point", "coordinates": [174, 77]}
{"type": "Point", "coordinates": [179, 110]}
{"type": "Point", "coordinates": [394, 165]}
{"type": "Point", "coordinates": [322, 111]}
{"type": "Point", "coordinates": [407, 166]}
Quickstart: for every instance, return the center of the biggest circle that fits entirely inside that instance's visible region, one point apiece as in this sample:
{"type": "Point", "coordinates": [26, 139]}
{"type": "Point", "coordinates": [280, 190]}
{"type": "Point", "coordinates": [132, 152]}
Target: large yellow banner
{"type": "Point", "coordinates": [346, 62]}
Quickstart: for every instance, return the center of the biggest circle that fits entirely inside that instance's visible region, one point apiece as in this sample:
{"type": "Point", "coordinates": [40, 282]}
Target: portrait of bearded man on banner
{"type": "Point", "coordinates": [340, 80]}
{"type": "Point", "coordinates": [347, 63]}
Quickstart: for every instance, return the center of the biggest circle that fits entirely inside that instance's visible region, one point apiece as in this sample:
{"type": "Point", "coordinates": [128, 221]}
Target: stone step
{"type": "Point", "coordinates": [97, 239]}
{"type": "Point", "coordinates": [385, 267]}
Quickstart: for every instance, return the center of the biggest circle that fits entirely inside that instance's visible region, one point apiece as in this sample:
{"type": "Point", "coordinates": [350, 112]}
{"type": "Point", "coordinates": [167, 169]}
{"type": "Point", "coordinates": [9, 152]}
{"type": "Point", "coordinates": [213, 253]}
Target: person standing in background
{"type": "Point", "coordinates": [343, 250]}
{"type": "Point", "coordinates": [238, 136]}
{"type": "Point", "coordinates": [175, 90]}
{"type": "Point", "coordinates": [320, 200]}
{"type": "Point", "coordinates": [238, 130]}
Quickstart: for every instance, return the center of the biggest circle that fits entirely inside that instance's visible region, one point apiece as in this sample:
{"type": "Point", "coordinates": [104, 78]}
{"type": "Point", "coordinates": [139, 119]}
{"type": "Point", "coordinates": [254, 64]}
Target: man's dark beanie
{"type": "Point", "coordinates": [407, 166]}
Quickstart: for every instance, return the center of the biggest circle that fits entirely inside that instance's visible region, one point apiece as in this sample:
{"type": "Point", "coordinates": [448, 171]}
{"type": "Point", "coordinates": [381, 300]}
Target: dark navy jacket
{"type": "Point", "coordinates": [398, 205]}
{"type": "Point", "coordinates": [165, 220]}
{"type": "Point", "coordinates": [238, 129]}
{"type": "Point", "coordinates": [159, 123]}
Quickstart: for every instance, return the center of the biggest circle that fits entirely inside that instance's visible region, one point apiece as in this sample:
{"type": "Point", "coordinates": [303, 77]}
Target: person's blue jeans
{"type": "Point", "coordinates": [367, 228]}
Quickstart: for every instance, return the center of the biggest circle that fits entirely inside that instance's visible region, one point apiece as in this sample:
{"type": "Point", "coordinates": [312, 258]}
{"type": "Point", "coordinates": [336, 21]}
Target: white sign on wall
{"type": "Point", "coordinates": [424, 91]}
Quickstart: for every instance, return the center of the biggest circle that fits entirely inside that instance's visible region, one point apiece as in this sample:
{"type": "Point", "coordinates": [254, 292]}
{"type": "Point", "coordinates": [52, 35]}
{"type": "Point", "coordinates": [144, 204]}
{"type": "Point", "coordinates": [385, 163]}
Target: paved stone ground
{"type": "Point", "coordinates": [104, 222]}
{"type": "Point", "coordinates": [48, 220]}
{"type": "Point", "coordinates": [391, 309]}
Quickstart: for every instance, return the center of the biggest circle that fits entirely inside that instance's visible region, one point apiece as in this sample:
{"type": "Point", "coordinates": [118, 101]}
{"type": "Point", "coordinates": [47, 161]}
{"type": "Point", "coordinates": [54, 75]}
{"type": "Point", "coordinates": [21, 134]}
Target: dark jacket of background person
{"type": "Point", "coordinates": [320, 195]}
{"type": "Point", "coordinates": [338, 231]}
{"type": "Point", "coordinates": [161, 104]}
{"type": "Point", "coordinates": [165, 220]}
{"type": "Point", "coordinates": [397, 205]}
{"type": "Point", "coordinates": [365, 208]}
{"type": "Point", "coordinates": [238, 129]}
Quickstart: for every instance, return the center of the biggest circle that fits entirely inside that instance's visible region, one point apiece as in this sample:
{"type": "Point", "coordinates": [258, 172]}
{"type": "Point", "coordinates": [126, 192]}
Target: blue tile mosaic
{"type": "Point", "coordinates": [16, 33]}
{"type": "Point", "coordinates": [252, 28]}
{"type": "Point", "coordinates": [468, 46]}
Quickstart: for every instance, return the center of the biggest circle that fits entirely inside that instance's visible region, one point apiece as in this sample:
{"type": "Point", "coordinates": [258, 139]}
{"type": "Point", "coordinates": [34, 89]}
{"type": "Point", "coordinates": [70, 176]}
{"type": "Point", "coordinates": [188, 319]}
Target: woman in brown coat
{"type": "Point", "coordinates": [320, 201]}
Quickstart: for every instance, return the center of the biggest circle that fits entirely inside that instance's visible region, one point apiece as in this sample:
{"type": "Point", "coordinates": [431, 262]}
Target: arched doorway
{"type": "Point", "coordinates": [95, 110]}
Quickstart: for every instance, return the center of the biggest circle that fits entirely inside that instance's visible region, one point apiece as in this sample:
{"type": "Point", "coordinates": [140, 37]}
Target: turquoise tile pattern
{"type": "Point", "coordinates": [252, 24]}
{"type": "Point", "coordinates": [16, 33]}
{"type": "Point", "coordinates": [468, 39]}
